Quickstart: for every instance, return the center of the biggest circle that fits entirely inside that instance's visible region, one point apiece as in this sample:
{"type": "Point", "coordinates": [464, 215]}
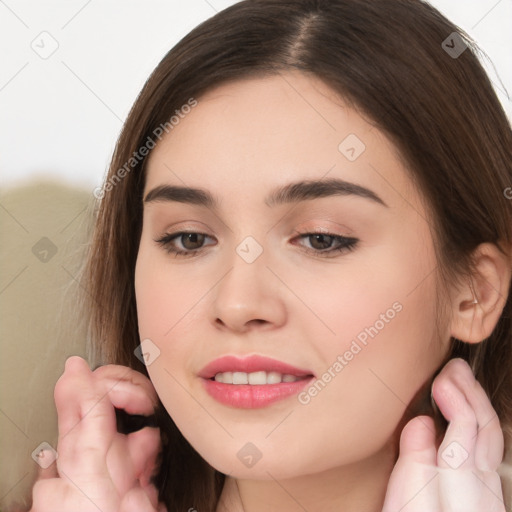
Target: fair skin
{"type": "Point", "coordinates": [337, 451]}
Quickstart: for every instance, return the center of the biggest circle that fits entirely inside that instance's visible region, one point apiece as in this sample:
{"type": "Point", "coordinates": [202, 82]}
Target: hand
{"type": "Point", "coordinates": [459, 476]}
{"type": "Point", "coordinates": [98, 468]}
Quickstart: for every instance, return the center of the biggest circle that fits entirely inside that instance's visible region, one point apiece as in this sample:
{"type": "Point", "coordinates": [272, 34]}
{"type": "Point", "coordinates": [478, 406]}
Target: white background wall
{"type": "Point", "coordinates": [60, 116]}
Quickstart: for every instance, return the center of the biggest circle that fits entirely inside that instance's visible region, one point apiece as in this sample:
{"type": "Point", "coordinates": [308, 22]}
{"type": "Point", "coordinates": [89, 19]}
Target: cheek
{"type": "Point", "coordinates": [166, 295]}
{"type": "Point", "coordinates": [362, 396]}
{"type": "Point", "coordinates": [169, 307]}
{"type": "Point", "coordinates": [388, 342]}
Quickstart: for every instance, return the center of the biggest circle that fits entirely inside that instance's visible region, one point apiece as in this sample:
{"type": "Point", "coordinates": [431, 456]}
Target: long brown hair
{"type": "Point", "coordinates": [387, 59]}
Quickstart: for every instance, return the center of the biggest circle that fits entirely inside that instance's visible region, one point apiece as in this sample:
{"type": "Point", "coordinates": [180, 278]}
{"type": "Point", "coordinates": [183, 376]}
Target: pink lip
{"type": "Point", "coordinates": [247, 396]}
{"type": "Point", "coordinates": [248, 365]}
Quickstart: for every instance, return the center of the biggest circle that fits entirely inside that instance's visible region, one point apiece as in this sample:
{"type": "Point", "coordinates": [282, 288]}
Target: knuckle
{"type": "Point", "coordinates": [40, 492]}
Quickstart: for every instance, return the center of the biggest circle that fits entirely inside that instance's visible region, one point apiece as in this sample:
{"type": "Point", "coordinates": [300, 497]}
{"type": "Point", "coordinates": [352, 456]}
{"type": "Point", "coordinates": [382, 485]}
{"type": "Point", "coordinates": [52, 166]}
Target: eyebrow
{"type": "Point", "coordinates": [291, 193]}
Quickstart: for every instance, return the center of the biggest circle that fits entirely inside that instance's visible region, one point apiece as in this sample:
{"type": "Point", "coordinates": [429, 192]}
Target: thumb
{"type": "Point", "coordinates": [412, 486]}
{"type": "Point", "coordinates": [418, 441]}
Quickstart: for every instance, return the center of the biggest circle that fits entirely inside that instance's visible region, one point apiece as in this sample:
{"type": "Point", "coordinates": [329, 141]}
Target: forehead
{"type": "Point", "coordinates": [251, 135]}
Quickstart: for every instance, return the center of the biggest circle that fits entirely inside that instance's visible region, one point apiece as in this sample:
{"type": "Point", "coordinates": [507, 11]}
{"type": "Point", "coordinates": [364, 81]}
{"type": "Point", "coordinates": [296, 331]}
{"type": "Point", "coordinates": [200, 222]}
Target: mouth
{"type": "Point", "coordinates": [253, 382]}
{"type": "Point", "coordinates": [259, 378]}
{"type": "Point", "coordinates": [253, 370]}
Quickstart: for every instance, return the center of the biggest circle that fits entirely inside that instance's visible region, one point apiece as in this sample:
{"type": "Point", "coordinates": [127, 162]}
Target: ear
{"type": "Point", "coordinates": [477, 306]}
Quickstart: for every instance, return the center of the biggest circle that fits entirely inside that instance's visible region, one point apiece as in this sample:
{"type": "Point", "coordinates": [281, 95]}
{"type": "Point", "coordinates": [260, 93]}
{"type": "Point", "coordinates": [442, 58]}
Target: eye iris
{"type": "Point", "coordinates": [193, 238]}
{"type": "Point", "coordinates": [327, 240]}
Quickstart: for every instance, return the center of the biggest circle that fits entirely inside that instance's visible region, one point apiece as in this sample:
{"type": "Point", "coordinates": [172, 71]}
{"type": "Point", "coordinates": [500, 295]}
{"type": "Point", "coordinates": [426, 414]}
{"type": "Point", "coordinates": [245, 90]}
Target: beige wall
{"type": "Point", "coordinates": [43, 233]}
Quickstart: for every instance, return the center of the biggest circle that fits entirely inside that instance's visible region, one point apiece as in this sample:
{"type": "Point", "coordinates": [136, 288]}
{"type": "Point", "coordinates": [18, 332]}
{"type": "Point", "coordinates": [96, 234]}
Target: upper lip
{"type": "Point", "coordinates": [250, 364]}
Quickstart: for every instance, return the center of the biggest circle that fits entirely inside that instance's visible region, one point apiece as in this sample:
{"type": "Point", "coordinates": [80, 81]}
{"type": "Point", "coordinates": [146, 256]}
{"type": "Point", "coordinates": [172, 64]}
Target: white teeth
{"type": "Point", "coordinates": [254, 378]}
{"type": "Point", "coordinates": [273, 378]}
{"type": "Point", "coordinates": [240, 378]}
{"type": "Point", "coordinates": [257, 378]}
{"type": "Point", "coordinates": [226, 377]}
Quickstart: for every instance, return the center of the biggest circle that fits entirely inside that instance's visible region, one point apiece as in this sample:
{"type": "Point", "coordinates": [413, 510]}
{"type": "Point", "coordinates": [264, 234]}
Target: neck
{"type": "Point", "coordinates": [351, 488]}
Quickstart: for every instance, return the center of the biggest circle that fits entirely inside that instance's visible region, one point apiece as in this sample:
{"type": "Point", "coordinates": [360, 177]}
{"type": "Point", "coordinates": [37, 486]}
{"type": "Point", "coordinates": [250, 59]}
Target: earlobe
{"type": "Point", "coordinates": [478, 305]}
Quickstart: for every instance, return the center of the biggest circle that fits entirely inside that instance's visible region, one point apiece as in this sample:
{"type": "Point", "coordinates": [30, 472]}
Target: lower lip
{"type": "Point", "coordinates": [248, 396]}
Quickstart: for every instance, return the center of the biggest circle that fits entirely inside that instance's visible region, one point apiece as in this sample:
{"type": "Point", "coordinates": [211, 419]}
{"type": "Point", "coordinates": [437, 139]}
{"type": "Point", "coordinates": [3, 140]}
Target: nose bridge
{"type": "Point", "coordinates": [246, 293]}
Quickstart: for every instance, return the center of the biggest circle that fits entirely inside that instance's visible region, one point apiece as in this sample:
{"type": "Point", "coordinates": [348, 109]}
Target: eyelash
{"type": "Point", "coordinates": [346, 244]}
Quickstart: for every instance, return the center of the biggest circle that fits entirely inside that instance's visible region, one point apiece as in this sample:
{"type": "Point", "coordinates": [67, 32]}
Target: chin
{"type": "Point", "coordinates": [247, 462]}
{"type": "Point", "coordinates": [271, 470]}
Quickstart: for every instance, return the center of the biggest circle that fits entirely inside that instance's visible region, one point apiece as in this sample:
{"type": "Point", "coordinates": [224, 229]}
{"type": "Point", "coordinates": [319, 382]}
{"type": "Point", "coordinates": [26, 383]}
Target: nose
{"type": "Point", "coordinates": [248, 297]}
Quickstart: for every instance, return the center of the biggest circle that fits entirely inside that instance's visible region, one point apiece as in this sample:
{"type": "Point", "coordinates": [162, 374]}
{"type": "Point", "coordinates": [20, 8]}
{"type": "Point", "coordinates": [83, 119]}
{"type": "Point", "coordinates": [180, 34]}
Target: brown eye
{"type": "Point", "coordinates": [321, 242]}
{"type": "Point", "coordinates": [192, 241]}
{"type": "Point", "coordinates": [327, 244]}
{"type": "Point", "coordinates": [184, 243]}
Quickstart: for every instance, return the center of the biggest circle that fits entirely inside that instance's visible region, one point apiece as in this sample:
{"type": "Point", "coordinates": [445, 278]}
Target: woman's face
{"type": "Point", "coordinates": [337, 280]}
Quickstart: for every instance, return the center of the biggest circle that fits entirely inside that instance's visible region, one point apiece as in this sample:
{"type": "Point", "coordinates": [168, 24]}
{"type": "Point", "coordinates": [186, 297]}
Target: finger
{"type": "Point", "coordinates": [54, 495]}
{"type": "Point", "coordinates": [133, 458]}
{"type": "Point", "coordinates": [68, 387]}
{"type": "Point", "coordinates": [144, 447]}
{"type": "Point", "coordinates": [87, 421]}
{"type": "Point", "coordinates": [152, 494]}
{"type": "Point", "coordinates": [136, 500]}
{"type": "Point", "coordinates": [123, 373]}
{"type": "Point", "coordinates": [457, 449]}
{"type": "Point", "coordinates": [412, 486]}
{"type": "Point", "coordinates": [134, 399]}
{"type": "Point", "coordinates": [489, 442]}
{"type": "Point", "coordinates": [417, 441]}
{"type": "Point", "coordinates": [44, 493]}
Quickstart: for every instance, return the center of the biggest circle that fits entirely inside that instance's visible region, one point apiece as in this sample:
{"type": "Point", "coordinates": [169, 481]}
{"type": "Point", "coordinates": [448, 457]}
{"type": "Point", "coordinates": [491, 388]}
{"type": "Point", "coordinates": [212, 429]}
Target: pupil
{"type": "Point", "coordinates": [319, 238]}
{"type": "Point", "coordinates": [194, 238]}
